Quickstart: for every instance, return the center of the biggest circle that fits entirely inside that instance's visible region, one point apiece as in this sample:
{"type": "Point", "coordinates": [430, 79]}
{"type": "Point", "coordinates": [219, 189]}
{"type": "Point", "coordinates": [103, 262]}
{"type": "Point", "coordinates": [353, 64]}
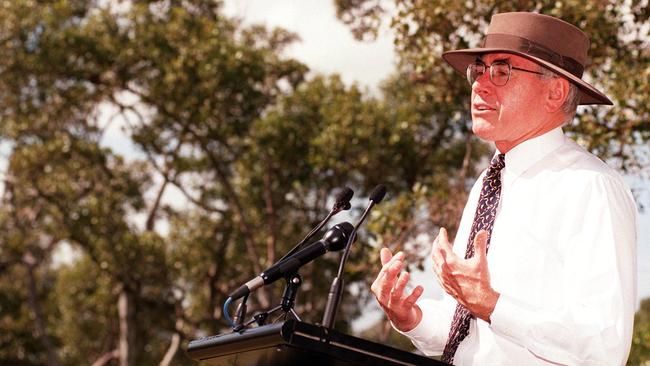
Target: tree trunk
{"type": "Point", "coordinates": [171, 351]}
{"type": "Point", "coordinates": [41, 328]}
{"type": "Point", "coordinates": [106, 358]}
{"type": "Point", "coordinates": [126, 311]}
{"type": "Point", "coordinates": [270, 215]}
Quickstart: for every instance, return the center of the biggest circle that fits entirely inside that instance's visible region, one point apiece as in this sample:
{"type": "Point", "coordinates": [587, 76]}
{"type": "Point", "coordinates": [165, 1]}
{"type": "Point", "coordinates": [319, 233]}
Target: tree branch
{"type": "Point", "coordinates": [171, 351]}
{"type": "Point", "coordinates": [106, 357]}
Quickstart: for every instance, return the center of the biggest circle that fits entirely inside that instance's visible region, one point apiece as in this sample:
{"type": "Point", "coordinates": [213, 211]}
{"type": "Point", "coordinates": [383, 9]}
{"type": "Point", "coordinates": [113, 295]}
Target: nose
{"type": "Point", "coordinates": [482, 84]}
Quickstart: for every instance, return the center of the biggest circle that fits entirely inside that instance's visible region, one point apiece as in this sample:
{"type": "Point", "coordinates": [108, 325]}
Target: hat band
{"type": "Point", "coordinates": [499, 40]}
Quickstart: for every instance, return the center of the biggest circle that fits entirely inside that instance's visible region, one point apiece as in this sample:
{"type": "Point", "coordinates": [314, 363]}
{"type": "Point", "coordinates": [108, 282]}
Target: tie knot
{"type": "Point", "coordinates": [498, 162]}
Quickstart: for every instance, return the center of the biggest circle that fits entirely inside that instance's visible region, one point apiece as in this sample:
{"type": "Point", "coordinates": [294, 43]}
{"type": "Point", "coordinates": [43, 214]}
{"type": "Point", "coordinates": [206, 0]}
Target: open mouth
{"type": "Point", "coordinates": [482, 107]}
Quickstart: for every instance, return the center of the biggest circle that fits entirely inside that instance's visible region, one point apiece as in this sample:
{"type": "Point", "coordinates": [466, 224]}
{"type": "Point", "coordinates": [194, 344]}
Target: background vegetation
{"type": "Point", "coordinates": [251, 146]}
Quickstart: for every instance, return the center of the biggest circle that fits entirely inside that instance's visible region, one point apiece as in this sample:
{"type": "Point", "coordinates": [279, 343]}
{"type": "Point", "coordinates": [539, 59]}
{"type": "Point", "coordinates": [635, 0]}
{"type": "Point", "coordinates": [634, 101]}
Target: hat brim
{"type": "Point", "coordinates": [459, 59]}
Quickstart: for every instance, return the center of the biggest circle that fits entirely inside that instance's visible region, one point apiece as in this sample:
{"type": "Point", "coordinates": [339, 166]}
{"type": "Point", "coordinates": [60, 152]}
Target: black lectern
{"type": "Point", "coordinates": [297, 343]}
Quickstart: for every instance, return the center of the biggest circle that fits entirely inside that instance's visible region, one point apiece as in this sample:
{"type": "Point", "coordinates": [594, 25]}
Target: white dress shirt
{"type": "Point", "coordinates": [563, 258]}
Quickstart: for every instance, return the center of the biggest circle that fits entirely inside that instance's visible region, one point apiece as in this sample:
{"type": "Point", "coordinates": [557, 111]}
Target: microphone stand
{"type": "Point", "coordinates": [293, 281]}
{"type": "Point", "coordinates": [336, 289]}
{"type": "Point", "coordinates": [286, 305]}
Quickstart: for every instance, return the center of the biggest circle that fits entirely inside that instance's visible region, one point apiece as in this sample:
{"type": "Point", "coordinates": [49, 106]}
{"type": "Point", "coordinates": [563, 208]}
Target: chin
{"type": "Point", "coordinates": [483, 129]}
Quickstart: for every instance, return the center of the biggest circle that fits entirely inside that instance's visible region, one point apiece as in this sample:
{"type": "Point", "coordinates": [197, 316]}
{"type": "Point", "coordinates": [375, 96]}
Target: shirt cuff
{"type": "Point", "coordinates": [422, 331]}
{"type": "Point", "coordinates": [509, 318]}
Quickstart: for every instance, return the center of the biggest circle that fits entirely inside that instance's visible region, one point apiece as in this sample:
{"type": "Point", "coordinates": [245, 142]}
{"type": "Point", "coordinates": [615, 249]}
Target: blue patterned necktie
{"type": "Point", "coordinates": [483, 220]}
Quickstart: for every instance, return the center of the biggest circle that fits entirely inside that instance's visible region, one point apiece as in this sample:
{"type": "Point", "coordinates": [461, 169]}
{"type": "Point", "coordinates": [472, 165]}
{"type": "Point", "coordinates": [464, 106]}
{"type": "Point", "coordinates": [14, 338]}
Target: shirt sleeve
{"type": "Point", "coordinates": [430, 335]}
{"type": "Point", "coordinates": [592, 323]}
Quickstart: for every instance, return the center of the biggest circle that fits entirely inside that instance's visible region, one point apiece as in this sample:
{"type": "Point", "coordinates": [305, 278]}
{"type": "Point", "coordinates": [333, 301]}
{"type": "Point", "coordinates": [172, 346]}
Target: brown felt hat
{"type": "Point", "coordinates": [548, 41]}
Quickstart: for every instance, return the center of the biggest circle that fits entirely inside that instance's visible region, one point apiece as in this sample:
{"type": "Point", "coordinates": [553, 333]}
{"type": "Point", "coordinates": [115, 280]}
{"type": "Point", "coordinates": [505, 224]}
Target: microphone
{"type": "Point", "coordinates": [335, 239]}
{"type": "Point", "coordinates": [377, 195]}
{"type": "Point", "coordinates": [342, 202]}
{"type": "Point", "coordinates": [336, 289]}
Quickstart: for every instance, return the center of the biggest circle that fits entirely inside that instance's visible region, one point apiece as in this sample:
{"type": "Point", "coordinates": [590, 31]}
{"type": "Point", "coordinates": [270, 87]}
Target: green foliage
{"type": "Point", "coordinates": [640, 352]}
{"type": "Point", "coordinates": [619, 52]}
{"type": "Point", "coordinates": [19, 343]}
{"type": "Point", "coordinates": [88, 321]}
{"type": "Point", "coordinates": [237, 153]}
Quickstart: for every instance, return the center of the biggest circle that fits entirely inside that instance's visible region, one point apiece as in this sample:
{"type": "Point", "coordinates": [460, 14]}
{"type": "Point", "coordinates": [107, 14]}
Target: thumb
{"type": "Point", "coordinates": [480, 245]}
{"type": "Point", "coordinates": [385, 255]}
{"type": "Point", "coordinates": [444, 240]}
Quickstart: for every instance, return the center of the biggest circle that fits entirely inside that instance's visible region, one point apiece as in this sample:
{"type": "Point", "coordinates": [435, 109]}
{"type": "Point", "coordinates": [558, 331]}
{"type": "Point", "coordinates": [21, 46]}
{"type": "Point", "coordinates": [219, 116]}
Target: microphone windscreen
{"type": "Point", "coordinates": [343, 199]}
{"type": "Point", "coordinates": [378, 193]}
{"type": "Point", "coordinates": [338, 235]}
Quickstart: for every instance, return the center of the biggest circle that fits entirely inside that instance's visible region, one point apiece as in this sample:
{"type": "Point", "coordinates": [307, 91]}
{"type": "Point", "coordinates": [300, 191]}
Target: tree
{"type": "Point", "coordinates": [65, 61]}
{"type": "Point", "coordinates": [238, 151]}
{"type": "Point", "coordinates": [619, 51]}
{"type": "Point", "coordinates": [222, 121]}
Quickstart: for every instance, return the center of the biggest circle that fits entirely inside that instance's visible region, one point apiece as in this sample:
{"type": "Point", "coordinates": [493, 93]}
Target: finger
{"type": "Point", "coordinates": [445, 272]}
{"type": "Point", "coordinates": [413, 297]}
{"type": "Point", "coordinates": [378, 285]}
{"type": "Point", "coordinates": [446, 275]}
{"type": "Point", "coordinates": [449, 286]}
{"type": "Point", "coordinates": [385, 255]}
{"type": "Point", "coordinates": [436, 250]}
{"type": "Point", "coordinates": [444, 240]}
{"type": "Point", "coordinates": [390, 277]}
{"type": "Point", "coordinates": [480, 245]}
{"type": "Point", "coordinates": [437, 254]}
{"type": "Point", "coordinates": [398, 290]}
{"type": "Point", "coordinates": [448, 280]}
{"type": "Point", "coordinates": [386, 266]}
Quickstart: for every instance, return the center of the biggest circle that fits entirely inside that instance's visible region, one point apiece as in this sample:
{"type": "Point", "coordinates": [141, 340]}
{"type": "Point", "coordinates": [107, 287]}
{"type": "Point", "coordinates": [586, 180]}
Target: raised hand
{"type": "Point", "coordinates": [466, 280]}
{"type": "Point", "coordinates": [389, 287]}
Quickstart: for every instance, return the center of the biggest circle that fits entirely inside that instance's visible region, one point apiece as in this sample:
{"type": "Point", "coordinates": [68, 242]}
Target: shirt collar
{"type": "Point", "coordinates": [529, 152]}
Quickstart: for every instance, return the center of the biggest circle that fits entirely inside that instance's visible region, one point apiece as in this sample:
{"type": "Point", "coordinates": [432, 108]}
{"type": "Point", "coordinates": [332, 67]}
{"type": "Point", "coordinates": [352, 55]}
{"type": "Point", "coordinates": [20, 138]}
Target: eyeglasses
{"type": "Point", "coordinates": [499, 72]}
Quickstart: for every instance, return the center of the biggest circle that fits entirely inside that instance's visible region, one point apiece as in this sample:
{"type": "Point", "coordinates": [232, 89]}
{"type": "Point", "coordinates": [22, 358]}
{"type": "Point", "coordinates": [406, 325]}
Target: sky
{"type": "Point", "coordinates": [327, 46]}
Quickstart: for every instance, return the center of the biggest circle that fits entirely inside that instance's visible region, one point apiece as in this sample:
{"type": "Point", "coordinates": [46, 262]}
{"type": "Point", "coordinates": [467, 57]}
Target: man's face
{"type": "Point", "coordinates": [511, 113]}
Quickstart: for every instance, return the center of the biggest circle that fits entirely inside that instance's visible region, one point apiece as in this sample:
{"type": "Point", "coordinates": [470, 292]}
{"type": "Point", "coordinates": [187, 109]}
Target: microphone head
{"type": "Point", "coordinates": [343, 199]}
{"type": "Point", "coordinates": [337, 236]}
{"type": "Point", "coordinates": [378, 193]}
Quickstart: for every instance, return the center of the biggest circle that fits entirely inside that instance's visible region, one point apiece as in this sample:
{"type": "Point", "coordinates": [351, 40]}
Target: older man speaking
{"type": "Point", "coordinates": [542, 270]}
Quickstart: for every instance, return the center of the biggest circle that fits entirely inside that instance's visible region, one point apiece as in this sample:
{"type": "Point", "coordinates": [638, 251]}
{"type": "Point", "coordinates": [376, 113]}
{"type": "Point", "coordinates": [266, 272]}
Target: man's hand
{"type": "Point", "coordinates": [466, 280]}
{"type": "Point", "coordinates": [389, 291]}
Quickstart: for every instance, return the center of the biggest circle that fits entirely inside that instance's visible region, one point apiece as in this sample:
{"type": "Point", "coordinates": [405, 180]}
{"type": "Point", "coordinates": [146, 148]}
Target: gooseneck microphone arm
{"type": "Point", "coordinates": [341, 203]}
{"type": "Point", "coordinates": [333, 240]}
{"type": "Point", "coordinates": [336, 289]}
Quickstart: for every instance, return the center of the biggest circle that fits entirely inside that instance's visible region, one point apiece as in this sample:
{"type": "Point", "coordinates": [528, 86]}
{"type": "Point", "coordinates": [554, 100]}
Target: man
{"type": "Point", "coordinates": [549, 275]}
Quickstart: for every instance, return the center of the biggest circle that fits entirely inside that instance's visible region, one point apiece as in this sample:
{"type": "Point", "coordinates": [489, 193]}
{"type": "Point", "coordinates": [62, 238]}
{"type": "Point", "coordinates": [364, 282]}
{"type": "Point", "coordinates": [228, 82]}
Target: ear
{"type": "Point", "coordinates": [556, 93]}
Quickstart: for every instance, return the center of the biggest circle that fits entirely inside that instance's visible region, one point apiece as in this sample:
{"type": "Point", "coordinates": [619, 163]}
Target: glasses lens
{"type": "Point", "coordinates": [474, 71]}
{"type": "Point", "coordinates": [500, 73]}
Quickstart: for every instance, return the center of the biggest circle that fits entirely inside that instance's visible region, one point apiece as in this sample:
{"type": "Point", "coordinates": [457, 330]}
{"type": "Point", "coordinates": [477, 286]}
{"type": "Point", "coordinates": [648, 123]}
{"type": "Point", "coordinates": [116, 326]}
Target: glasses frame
{"type": "Point", "coordinates": [491, 71]}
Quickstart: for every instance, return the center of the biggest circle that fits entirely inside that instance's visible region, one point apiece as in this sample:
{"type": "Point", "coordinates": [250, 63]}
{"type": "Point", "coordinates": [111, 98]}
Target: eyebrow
{"type": "Point", "coordinates": [502, 59]}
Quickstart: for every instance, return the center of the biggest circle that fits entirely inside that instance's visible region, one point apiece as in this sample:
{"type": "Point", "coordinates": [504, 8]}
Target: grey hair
{"type": "Point", "coordinates": [572, 101]}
